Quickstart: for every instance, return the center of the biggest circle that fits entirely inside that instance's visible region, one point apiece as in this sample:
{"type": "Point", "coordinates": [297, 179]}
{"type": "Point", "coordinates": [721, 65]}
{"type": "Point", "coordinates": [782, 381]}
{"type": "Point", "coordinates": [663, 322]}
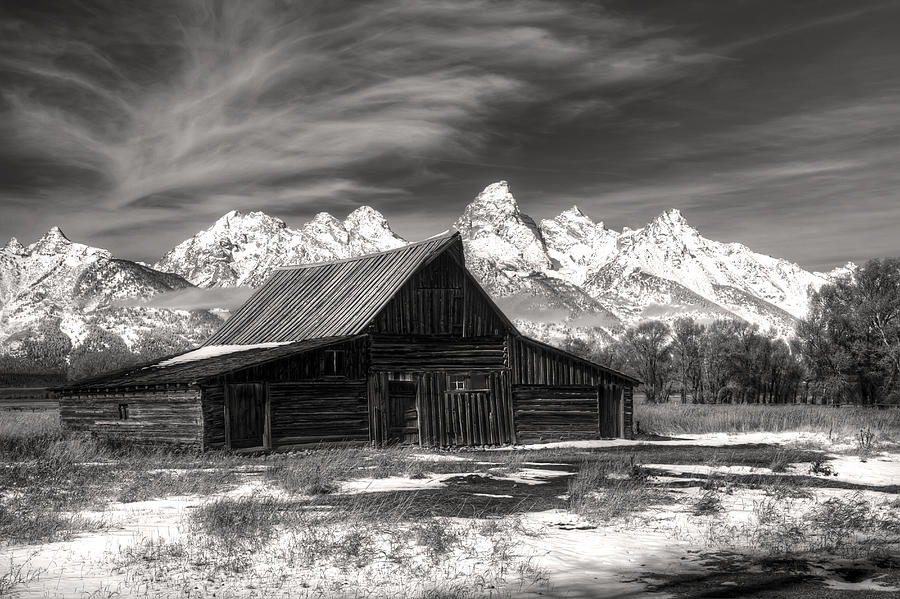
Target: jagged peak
{"type": "Point", "coordinates": [239, 218]}
{"type": "Point", "coordinates": [670, 220]}
{"type": "Point", "coordinates": [13, 246]}
{"type": "Point", "coordinates": [498, 197]}
{"type": "Point", "coordinates": [363, 215]}
{"type": "Point", "coordinates": [324, 218]}
{"type": "Point", "coordinates": [55, 233]}
{"type": "Point", "coordinates": [53, 241]}
{"type": "Point", "coordinates": [577, 215]}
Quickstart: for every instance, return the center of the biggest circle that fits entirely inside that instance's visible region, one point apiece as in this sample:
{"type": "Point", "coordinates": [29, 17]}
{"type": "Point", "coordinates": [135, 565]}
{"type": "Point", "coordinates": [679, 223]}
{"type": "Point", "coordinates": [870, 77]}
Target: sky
{"type": "Point", "coordinates": [133, 125]}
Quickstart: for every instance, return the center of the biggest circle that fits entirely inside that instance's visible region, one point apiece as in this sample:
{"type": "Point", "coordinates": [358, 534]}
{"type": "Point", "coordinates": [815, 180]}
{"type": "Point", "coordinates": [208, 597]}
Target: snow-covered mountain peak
{"type": "Point", "coordinates": [368, 221]}
{"type": "Point", "coordinates": [497, 198]}
{"type": "Point", "coordinates": [577, 243]}
{"type": "Point", "coordinates": [238, 221]}
{"type": "Point", "coordinates": [670, 222]}
{"type": "Point", "coordinates": [838, 272]}
{"type": "Point", "coordinates": [324, 221]}
{"type": "Point", "coordinates": [495, 230]}
{"type": "Point", "coordinates": [14, 247]}
{"type": "Point", "coordinates": [52, 242]}
{"type": "Point", "coordinates": [369, 231]}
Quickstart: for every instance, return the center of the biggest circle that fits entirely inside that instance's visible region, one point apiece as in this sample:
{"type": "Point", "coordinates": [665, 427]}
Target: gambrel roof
{"type": "Point", "coordinates": [329, 299]}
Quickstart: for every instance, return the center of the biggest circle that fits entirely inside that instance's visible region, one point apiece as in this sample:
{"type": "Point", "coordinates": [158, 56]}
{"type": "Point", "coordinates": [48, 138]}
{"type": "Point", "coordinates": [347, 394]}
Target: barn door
{"type": "Point", "coordinates": [246, 416]}
{"type": "Point", "coordinates": [403, 418]}
{"type": "Point", "coordinates": [610, 409]}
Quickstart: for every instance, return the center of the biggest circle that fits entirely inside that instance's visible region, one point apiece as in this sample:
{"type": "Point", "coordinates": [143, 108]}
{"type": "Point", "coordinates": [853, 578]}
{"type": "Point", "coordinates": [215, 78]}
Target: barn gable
{"type": "Point", "coordinates": [330, 298]}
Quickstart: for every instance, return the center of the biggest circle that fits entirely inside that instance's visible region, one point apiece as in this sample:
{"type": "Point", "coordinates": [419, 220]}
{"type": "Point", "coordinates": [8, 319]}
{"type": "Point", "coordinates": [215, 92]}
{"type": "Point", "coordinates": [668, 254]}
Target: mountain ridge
{"type": "Point", "coordinates": [564, 276]}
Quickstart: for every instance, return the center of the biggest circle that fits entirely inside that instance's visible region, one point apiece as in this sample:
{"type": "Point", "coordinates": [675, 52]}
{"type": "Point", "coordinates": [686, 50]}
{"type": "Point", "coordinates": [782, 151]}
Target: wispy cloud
{"type": "Point", "coordinates": [192, 101]}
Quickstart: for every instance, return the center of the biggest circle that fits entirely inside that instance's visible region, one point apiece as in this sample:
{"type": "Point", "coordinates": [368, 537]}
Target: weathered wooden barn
{"type": "Point", "coordinates": [399, 346]}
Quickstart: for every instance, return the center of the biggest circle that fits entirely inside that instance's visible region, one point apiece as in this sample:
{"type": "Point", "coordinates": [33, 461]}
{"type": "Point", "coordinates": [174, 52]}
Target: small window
{"type": "Point", "coordinates": [463, 382]}
{"type": "Point", "coordinates": [334, 363]}
{"type": "Point", "coordinates": [123, 411]}
{"type": "Point", "coordinates": [458, 382]}
{"type": "Point", "coordinates": [400, 376]}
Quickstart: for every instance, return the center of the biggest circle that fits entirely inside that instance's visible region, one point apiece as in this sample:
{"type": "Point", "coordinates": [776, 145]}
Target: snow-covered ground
{"type": "Point", "coordinates": [559, 553]}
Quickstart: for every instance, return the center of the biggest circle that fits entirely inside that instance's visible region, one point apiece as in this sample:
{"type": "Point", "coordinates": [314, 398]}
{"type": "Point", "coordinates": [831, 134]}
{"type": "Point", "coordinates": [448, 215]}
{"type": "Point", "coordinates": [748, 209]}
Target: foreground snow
{"type": "Point", "coordinates": [562, 553]}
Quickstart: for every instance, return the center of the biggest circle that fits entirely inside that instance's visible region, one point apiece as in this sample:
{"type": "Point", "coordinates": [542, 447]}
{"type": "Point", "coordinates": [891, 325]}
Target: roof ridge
{"type": "Point", "coordinates": [442, 238]}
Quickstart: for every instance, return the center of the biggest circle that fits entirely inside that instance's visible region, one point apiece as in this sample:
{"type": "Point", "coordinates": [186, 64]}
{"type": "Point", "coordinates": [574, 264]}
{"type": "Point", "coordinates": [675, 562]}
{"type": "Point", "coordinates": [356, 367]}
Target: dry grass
{"type": "Point", "coordinates": [366, 546]}
{"type": "Point", "coordinates": [837, 423]}
{"type": "Point", "coordinates": [848, 527]}
{"type": "Point", "coordinates": [604, 489]}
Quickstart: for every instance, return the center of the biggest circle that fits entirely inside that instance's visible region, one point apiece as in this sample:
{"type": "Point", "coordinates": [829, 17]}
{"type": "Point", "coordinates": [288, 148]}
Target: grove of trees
{"type": "Point", "coordinates": [846, 351]}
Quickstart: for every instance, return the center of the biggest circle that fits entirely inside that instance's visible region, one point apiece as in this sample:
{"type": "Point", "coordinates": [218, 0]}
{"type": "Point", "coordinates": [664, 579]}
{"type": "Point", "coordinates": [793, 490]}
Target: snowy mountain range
{"type": "Point", "coordinates": [76, 287]}
{"type": "Point", "coordinates": [563, 276]}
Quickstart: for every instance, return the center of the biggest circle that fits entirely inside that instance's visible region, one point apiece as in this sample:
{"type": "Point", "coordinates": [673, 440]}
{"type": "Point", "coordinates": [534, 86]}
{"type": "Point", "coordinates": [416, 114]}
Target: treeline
{"type": "Point", "coordinates": [846, 351]}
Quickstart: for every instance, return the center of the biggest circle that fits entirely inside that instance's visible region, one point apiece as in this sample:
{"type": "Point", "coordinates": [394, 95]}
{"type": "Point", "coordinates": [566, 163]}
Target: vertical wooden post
{"type": "Point", "coordinates": [267, 417]}
{"type": "Point", "coordinates": [227, 416]}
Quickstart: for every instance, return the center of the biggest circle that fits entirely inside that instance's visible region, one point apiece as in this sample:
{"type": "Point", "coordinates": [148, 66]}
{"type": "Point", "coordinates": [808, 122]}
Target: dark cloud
{"type": "Point", "coordinates": [133, 125]}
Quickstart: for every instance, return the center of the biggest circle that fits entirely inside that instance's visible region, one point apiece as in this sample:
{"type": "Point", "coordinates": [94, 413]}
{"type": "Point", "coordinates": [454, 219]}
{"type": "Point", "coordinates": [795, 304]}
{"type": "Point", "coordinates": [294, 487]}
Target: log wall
{"type": "Point", "coordinates": [447, 418]}
{"type": "Point", "coordinates": [301, 412]}
{"type": "Point", "coordinates": [164, 416]}
{"type": "Point", "coordinates": [323, 411]}
{"type": "Point", "coordinates": [415, 354]}
{"type": "Point", "coordinates": [308, 366]}
{"type": "Point", "coordinates": [536, 365]}
{"type": "Point", "coordinates": [556, 413]}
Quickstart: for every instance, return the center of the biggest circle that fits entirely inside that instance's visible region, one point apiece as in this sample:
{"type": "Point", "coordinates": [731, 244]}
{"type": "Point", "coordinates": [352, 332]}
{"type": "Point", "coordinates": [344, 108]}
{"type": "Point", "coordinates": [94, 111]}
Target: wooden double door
{"type": "Point", "coordinates": [247, 416]}
{"type": "Point", "coordinates": [427, 411]}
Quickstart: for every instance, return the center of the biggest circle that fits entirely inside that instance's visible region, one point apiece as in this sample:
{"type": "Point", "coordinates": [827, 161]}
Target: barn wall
{"type": "Point", "coordinates": [155, 417]}
{"type": "Point", "coordinates": [213, 408]}
{"type": "Point", "coordinates": [301, 412]}
{"type": "Point", "coordinates": [448, 418]}
{"type": "Point", "coordinates": [404, 354]}
{"type": "Point", "coordinates": [535, 365]}
{"type": "Point", "coordinates": [442, 299]}
{"type": "Point", "coordinates": [557, 413]}
{"type": "Point", "coordinates": [312, 412]}
{"type": "Point", "coordinates": [307, 366]}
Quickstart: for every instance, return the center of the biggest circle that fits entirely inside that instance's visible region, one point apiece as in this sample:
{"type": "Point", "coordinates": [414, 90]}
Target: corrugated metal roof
{"type": "Point", "coordinates": [157, 373]}
{"type": "Point", "coordinates": [327, 299]}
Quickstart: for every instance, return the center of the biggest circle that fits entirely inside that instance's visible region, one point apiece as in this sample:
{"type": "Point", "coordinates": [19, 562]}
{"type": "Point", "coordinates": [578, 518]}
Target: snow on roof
{"type": "Point", "coordinates": [212, 351]}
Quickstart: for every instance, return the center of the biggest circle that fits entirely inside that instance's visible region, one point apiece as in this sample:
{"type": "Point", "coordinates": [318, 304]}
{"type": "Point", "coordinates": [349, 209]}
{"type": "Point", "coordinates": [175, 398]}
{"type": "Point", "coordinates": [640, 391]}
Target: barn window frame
{"type": "Point", "coordinates": [467, 381]}
{"type": "Point", "coordinates": [123, 411]}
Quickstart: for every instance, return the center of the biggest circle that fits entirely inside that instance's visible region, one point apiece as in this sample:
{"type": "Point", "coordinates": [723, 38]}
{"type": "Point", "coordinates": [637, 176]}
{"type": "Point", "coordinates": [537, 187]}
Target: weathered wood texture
{"type": "Point", "coordinates": [415, 354]}
{"type": "Point", "coordinates": [442, 299]}
{"type": "Point", "coordinates": [152, 417]}
{"type": "Point", "coordinates": [246, 415]}
{"type": "Point", "coordinates": [471, 417]}
{"type": "Point", "coordinates": [545, 413]}
{"type": "Point", "coordinates": [318, 411]}
{"type": "Point", "coordinates": [213, 400]}
{"type": "Point", "coordinates": [301, 412]}
{"type": "Point", "coordinates": [330, 298]}
{"type": "Point", "coordinates": [628, 411]}
{"type": "Point", "coordinates": [536, 364]}
{"type": "Point", "coordinates": [308, 366]}
{"type": "Point", "coordinates": [402, 412]}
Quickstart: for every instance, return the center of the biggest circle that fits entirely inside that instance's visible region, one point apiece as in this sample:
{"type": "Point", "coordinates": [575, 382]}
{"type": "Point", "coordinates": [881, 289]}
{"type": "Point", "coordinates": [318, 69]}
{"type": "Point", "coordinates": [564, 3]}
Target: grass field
{"type": "Point", "coordinates": [835, 422]}
{"type": "Point", "coordinates": [609, 518]}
